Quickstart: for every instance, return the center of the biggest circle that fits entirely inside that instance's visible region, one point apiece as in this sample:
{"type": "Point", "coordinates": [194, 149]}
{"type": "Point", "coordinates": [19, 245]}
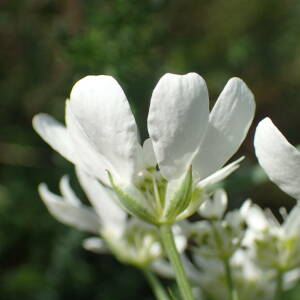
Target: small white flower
{"type": "Point", "coordinates": [274, 246]}
{"type": "Point", "coordinates": [163, 181]}
{"type": "Point", "coordinates": [278, 157]}
{"type": "Point", "coordinates": [250, 281]}
{"type": "Point", "coordinates": [214, 207]}
{"type": "Point", "coordinates": [208, 273]}
{"type": "Point", "coordinates": [220, 236]}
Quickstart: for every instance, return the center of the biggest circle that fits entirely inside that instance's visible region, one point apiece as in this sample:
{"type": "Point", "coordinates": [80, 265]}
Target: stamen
{"type": "Point", "coordinates": [156, 195]}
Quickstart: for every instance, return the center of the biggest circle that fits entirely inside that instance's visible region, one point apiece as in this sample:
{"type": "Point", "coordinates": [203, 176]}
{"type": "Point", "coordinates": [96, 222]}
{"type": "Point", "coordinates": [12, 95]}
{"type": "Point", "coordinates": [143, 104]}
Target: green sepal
{"type": "Point", "coordinates": [130, 204]}
{"type": "Point", "coordinates": [181, 198]}
{"type": "Point", "coordinates": [198, 197]}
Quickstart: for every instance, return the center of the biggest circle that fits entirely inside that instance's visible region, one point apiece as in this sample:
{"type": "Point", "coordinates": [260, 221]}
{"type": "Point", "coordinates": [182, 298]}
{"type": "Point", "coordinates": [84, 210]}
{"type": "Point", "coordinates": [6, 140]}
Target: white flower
{"type": "Point", "coordinates": [187, 144]}
{"type": "Point", "coordinates": [214, 207]}
{"type": "Point", "coordinates": [274, 246]}
{"type": "Point", "coordinates": [218, 237]}
{"type": "Point", "coordinates": [129, 239]}
{"type": "Point", "coordinates": [208, 273]}
{"type": "Point", "coordinates": [278, 157]}
{"type": "Point", "coordinates": [250, 281]}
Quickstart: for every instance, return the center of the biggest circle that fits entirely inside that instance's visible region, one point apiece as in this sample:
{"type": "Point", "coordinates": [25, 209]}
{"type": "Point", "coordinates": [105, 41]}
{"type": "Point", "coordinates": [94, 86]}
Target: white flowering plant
{"type": "Point", "coordinates": [142, 195]}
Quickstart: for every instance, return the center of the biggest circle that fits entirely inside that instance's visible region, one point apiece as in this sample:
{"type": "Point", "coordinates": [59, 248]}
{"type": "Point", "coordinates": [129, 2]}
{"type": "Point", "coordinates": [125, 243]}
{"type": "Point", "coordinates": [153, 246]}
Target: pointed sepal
{"type": "Point", "coordinates": [132, 200]}
{"type": "Point", "coordinates": [178, 196]}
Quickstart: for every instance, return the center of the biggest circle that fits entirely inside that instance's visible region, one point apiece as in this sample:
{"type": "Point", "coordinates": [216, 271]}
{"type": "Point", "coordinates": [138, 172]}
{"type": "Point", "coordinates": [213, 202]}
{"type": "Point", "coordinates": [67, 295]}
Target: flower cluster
{"type": "Point", "coordinates": [248, 240]}
{"type": "Point", "coordinates": [142, 195]}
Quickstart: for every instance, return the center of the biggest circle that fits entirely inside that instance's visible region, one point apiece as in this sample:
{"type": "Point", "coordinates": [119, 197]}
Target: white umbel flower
{"type": "Point", "coordinates": [163, 181]}
{"type": "Point", "coordinates": [274, 246]}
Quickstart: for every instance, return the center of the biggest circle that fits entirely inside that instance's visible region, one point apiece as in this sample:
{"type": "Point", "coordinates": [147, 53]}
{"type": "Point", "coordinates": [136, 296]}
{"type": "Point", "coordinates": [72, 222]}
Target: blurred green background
{"type": "Point", "coordinates": [47, 45]}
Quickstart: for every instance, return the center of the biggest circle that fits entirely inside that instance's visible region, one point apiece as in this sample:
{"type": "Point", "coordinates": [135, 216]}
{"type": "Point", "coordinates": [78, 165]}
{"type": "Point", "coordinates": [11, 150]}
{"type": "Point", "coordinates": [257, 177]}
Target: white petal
{"type": "Point", "coordinates": [278, 157]}
{"type": "Point", "coordinates": [245, 207]}
{"type": "Point", "coordinates": [220, 202]}
{"type": "Point", "coordinates": [214, 208]}
{"type": "Point", "coordinates": [80, 217]}
{"type": "Point", "coordinates": [291, 225]}
{"type": "Point", "coordinates": [55, 134]}
{"type": "Point", "coordinates": [163, 268]}
{"type": "Point", "coordinates": [220, 174]}
{"type": "Point", "coordinates": [180, 238]}
{"type": "Point", "coordinates": [256, 218]}
{"type": "Point", "coordinates": [229, 122]}
{"type": "Point", "coordinates": [112, 217]}
{"type": "Point", "coordinates": [291, 278]}
{"type": "Point", "coordinates": [70, 147]}
{"type": "Point", "coordinates": [177, 121]}
{"type": "Point", "coordinates": [102, 112]}
{"type": "Point", "coordinates": [95, 245]}
{"type": "Point", "coordinates": [87, 157]}
{"type": "Point", "coordinates": [67, 193]}
{"type": "Point", "coordinates": [148, 153]}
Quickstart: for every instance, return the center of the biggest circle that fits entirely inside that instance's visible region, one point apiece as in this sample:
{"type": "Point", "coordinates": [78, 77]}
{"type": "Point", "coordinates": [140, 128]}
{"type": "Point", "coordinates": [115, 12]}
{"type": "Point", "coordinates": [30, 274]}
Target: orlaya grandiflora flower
{"type": "Point", "coordinates": [250, 281]}
{"type": "Point", "coordinates": [220, 235]}
{"type": "Point", "coordinates": [132, 241]}
{"type": "Point", "coordinates": [162, 181]}
{"type": "Point", "coordinates": [274, 246]}
{"type": "Point", "coordinates": [278, 157]}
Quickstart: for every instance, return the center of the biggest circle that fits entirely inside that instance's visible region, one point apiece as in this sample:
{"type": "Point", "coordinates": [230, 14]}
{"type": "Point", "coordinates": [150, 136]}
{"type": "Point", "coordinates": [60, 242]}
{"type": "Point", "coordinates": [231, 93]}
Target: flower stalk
{"type": "Point", "coordinates": [155, 284]}
{"type": "Point", "coordinates": [233, 295]}
{"type": "Point", "coordinates": [279, 286]}
{"type": "Point", "coordinates": [232, 292]}
{"type": "Point", "coordinates": [168, 242]}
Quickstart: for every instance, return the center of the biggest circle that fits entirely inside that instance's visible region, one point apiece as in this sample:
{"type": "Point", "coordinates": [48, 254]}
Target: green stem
{"type": "Point", "coordinates": [279, 286]}
{"type": "Point", "coordinates": [233, 295]}
{"type": "Point", "coordinates": [168, 242]}
{"type": "Point", "coordinates": [157, 288]}
{"type": "Point", "coordinates": [232, 292]}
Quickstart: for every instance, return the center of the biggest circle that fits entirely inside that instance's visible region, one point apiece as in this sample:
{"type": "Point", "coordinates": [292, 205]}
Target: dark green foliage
{"type": "Point", "coordinates": [46, 45]}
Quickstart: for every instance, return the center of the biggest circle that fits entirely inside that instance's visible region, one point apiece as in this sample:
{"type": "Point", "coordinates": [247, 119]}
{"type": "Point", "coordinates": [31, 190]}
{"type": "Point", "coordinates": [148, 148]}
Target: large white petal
{"type": "Point", "coordinates": [55, 134]}
{"type": "Point", "coordinates": [112, 217]}
{"type": "Point", "coordinates": [88, 158]}
{"type": "Point", "coordinates": [229, 122]}
{"type": "Point", "coordinates": [78, 216]}
{"type": "Point", "coordinates": [70, 144]}
{"type": "Point", "coordinates": [177, 121]}
{"type": "Point", "coordinates": [278, 157]}
{"type": "Point", "coordinates": [102, 113]}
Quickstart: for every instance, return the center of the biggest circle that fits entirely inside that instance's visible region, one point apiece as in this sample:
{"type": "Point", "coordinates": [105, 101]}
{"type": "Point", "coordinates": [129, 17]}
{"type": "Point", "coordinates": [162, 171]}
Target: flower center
{"type": "Point", "coordinates": [153, 186]}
